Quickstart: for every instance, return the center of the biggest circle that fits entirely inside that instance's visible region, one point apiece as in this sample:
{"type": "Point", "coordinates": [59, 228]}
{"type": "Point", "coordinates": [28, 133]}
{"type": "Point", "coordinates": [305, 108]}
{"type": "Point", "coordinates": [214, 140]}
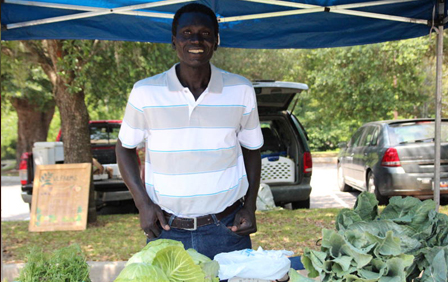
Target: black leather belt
{"type": "Point", "coordinates": [192, 223]}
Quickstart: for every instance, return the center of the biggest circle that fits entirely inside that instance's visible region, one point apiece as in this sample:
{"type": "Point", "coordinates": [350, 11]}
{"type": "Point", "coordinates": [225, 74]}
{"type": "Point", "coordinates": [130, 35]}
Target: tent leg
{"type": "Point", "coordinates": [438, 123]}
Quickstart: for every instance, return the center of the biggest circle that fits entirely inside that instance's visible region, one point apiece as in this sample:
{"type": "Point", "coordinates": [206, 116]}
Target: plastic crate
{"type": "Point", "coordinates": [279, 170]}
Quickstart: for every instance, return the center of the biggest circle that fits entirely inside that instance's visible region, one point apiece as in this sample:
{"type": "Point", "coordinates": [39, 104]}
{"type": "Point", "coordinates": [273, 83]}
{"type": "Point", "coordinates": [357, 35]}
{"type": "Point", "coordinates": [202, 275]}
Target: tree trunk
{"type": "Point", "coordinates": [74, 120]}
{"type": "Point", "coordinates": [33, 124]}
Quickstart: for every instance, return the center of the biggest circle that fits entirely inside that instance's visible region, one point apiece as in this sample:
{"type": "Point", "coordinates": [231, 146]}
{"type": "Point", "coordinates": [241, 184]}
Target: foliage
{"type": "Point", "coordinates": [115, 69]}
{"type": "Point", "coordinates": [399, 244]}
{"type": "Point", "coordinates": [65, 264]}
{"type": "Point", "coordinates": [171, 262]}
{"type": "Point", "coordinates": [347, 86]}
{"type": "Point", "coordinates": [9, 134]}
{"type": "Point", "coordinates": [364, 83]}
{"type": "Point", "coordinates": [21, 79]}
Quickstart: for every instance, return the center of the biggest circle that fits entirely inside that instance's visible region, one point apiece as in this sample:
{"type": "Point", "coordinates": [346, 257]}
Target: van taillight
{"type": "Point", "coordinates": [23, 168]}
{"type": "Point", "coordinates": [307, 162]}
{"type": "Point", "coordinates": [390, 158]}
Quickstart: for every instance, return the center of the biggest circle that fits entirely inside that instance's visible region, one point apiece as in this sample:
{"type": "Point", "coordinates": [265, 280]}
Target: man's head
{"type": "Point", "coordinates": [195, 34]}
{"type": "Point", "coordinates": [195, 8]}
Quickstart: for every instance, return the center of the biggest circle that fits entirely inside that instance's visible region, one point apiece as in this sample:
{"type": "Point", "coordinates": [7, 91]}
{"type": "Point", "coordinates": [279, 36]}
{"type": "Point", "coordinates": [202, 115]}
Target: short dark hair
{"type": "Point", "coordinates": [195, 8]}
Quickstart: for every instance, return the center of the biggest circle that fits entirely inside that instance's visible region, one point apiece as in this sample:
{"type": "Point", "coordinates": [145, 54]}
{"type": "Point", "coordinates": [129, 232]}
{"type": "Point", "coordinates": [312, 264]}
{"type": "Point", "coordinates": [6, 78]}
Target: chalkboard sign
{"type": "Point", "coordinates": [60, 197]}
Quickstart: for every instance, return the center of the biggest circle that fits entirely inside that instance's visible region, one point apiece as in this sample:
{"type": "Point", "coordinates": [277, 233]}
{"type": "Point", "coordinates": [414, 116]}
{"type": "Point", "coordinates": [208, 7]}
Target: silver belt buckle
{"type": "Point", "coordinates": [195, 224]}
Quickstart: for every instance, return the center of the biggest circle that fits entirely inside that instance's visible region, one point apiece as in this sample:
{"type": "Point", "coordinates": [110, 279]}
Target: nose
{"type": "Point", "coordinates": [196, 37]}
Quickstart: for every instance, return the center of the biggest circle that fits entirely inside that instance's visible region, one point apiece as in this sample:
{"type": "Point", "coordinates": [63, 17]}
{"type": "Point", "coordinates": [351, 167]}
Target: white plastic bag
{"type": "Point", "coordinates": [259, 264]}
{"type": "Point", "coordinates": [265, 200]}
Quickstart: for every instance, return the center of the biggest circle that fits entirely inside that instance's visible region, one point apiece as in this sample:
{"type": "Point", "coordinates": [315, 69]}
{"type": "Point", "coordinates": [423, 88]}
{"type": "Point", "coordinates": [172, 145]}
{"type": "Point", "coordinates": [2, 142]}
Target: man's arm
{"type": "Point", "coordinates": [149, 212]}
{"type": "Point", "coordinates": [245, 222]}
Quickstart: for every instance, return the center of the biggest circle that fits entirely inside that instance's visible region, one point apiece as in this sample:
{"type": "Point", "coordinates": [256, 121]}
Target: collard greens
{"type": "Point", "coordinates": [167, 260]}
{"type": "Point", "coordinates": [408, 241]}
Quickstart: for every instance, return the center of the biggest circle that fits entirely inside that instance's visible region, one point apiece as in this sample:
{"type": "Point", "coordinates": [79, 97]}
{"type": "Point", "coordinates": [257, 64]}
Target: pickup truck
{"type": "Point", "coordinates": [110, 191]}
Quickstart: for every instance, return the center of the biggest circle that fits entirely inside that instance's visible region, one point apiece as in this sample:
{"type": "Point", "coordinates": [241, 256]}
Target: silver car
{"type": "Point", "coordinates": [394, 158]}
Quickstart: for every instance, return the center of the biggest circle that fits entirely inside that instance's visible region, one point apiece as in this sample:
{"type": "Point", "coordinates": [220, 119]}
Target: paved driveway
{"type": "Point", "coordinates": [13, 207]}
{"type": "Point", "coordinates": [325, 193]}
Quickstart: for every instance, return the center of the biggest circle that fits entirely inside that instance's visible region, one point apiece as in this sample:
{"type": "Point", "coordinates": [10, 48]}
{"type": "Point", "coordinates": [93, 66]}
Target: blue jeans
{"type": "Point", "coordinates": [210, 239]}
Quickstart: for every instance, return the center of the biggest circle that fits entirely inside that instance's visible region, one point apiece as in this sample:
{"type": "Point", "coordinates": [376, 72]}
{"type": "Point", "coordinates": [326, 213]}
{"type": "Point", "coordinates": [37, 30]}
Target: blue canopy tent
{"type": "Point", "coordinates": [266, 24]}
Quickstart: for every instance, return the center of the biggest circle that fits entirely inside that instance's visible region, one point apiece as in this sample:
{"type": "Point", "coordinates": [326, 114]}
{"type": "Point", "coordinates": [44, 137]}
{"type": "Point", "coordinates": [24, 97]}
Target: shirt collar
{"type": "Point", "coordinates": [215, 84]}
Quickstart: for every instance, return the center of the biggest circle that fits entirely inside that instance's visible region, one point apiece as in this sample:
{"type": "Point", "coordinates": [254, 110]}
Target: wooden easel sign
{"type": "Point", "coordinates": [60, 197]}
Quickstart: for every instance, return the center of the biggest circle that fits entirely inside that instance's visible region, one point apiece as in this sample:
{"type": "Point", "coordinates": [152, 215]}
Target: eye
{"type": "Point", "coordinates": [206, 33]}
{"type": "Point", "coordinates": [186, 32]}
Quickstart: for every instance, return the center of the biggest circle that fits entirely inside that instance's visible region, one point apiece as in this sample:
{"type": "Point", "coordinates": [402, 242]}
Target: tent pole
{"type": "Point", "coordinates": [438, 123]}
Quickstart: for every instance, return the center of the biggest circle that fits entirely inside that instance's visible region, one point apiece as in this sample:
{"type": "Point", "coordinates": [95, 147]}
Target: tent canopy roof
{"type": "Point", "coordinates": [243, 23]}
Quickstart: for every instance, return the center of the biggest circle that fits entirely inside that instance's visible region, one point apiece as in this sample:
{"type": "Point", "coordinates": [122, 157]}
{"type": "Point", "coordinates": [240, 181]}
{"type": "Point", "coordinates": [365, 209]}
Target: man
{"type": "Point", "coordinates": [202, 168]}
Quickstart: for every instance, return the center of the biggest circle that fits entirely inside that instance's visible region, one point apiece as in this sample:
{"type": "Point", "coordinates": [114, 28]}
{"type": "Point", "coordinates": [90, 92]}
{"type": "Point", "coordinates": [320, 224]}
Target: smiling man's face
{"type": "Point", "coordinates": [195, 39]}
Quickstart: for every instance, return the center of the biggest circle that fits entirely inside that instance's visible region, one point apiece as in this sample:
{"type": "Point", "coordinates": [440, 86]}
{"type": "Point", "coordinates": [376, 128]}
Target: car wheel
{"type": "Point", "coordinates": [341, 181]}
{"type": "Point", "coordinates": [373, 189]}
{"type": "Point", "coordinates": [305, 204]}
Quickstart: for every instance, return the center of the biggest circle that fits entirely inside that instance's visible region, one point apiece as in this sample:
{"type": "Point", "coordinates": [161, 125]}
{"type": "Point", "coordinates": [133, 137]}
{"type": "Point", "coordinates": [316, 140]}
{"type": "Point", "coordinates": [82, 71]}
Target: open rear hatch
{"type": "Point", "coordinates": [275, 96]}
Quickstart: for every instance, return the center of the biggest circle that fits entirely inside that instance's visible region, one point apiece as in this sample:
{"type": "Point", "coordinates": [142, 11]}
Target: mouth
{"type": "Point", "coordinates": [196, 51]}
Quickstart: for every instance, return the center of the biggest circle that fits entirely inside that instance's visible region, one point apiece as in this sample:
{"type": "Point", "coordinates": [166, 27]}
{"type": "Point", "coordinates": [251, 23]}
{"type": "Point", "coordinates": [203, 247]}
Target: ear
{"type": "Point", "coordinates": [218, 41]}
{"type": "Point", "coordinates": [173, 44]}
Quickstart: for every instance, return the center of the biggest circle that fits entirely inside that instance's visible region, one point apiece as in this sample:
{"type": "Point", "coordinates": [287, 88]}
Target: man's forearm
{"type": "Point", "coordinates": [252, 162]}
{"type": "Point", "coordinates": [130, 172]}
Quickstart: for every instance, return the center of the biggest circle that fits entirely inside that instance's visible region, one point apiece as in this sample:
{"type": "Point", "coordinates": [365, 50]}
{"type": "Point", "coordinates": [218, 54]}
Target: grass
{"type": "Point", "coordinates": [118, 237]}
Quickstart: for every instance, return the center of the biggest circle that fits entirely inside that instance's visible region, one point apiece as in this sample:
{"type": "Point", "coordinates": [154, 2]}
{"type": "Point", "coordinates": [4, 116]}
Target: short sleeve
{"type": "Point", "coordinates": [133, 127]}
{"type": "Point", "coordinates": [250, 136]}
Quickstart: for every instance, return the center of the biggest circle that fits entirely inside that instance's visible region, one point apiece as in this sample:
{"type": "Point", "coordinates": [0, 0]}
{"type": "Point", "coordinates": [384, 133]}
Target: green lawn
{"type": "Point", "coordinates": [117, 237]}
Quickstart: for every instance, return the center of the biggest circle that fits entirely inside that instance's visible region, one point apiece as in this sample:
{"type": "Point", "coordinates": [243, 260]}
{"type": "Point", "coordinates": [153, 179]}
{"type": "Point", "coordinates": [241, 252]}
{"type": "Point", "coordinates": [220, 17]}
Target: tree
{"type": "Point", "coordinates": [26, 88]}
{"type": "Point", "coordinates": [62, 62]}
{"type": "Point", "coordinates": [99, 72]}
{"type": "Point", "coordinates": [354, 85]}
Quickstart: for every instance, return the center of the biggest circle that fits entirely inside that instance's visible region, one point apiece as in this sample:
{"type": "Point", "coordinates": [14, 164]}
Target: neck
{"type": "Point", "coordinates": [195, 78]}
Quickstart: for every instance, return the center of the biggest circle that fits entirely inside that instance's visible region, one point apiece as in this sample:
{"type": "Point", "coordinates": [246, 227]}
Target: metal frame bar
{"type": "Point", "coordinates": [340, 9]}
{"type": "Point", "coordinates": [378, 16]}
{"type": "Point", "coordinates": [88, 8]}
{"type": "Point", "coordinates": [271, 15]}
{"type": "Point", "coordinates": [102, 11]}
{"type": "Point", "coordinates": [438, 123]}
{"type": "Point", "coordinates": [130, 10]}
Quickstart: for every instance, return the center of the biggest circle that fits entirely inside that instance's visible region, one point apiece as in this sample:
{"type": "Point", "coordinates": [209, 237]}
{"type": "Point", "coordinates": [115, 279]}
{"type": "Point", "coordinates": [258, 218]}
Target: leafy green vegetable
{"type": "Point", "coordinates": [197, 257]}
{"type": "Point", "coordinates": [149, 252]}
{"type": "Point", "coordinates": [141, 272]}
{"type": "Point", "coordinates": [65, 264]}
{"type": "Point", "coordinates": [167, 260]}
{"type": "Point", "coordinates": [211, 270]}
{"type": "Point", "coordinates": [294, 276]}
{"type": "Point", "coordinates": [178, 265]}
{"type": "Point", "coordinates": [407, 240]}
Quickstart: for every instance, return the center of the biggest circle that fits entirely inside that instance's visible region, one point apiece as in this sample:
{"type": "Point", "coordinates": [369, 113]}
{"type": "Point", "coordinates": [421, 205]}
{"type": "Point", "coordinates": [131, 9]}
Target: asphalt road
{"type": "Point", "coordinates": [13, 207]}
{"type": "Point", "coordinates": [325, 193]}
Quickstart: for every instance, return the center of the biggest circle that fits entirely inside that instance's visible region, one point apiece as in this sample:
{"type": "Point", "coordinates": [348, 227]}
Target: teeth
{"type": "Point", "coordinates": [196, 51]}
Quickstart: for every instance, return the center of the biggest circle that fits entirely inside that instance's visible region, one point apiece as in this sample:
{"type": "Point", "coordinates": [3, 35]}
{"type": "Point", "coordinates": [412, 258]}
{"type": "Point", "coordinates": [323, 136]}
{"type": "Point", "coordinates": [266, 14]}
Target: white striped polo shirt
{"type": "Point", "coordinates": [194, 164]}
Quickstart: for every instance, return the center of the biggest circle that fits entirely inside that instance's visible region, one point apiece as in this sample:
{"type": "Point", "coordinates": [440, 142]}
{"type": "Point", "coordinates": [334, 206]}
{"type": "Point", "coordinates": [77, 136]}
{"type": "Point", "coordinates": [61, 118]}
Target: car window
{"type": "Point", "coordinates": [354, 142]}
{"type": "Point", "coordinates": [367, 137]}
{"type": "Point", "coordinates": [375, 135]}
{"type": "Point", "coordinates": [104, 134]}
{"type": "Point", "coordinates": [99, 135]}
{"type": "Point", "coordinates": [415, 132]}
{"type": "Point", "coordinates": [113, 134]}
